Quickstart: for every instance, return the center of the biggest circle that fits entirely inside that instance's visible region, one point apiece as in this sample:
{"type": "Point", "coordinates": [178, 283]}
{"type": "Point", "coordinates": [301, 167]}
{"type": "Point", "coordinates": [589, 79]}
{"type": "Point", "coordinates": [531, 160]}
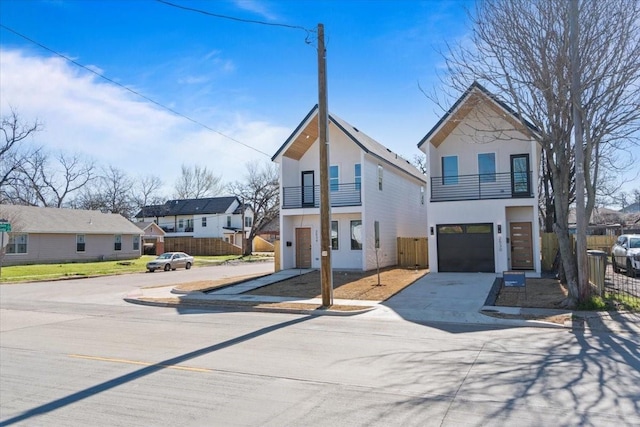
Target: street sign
{"type": "Point", "coordinates": [5, 226]}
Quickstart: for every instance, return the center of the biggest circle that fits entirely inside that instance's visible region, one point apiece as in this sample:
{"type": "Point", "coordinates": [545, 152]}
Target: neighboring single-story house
{"type": "Point", "coordinates": [153, 238]}
{"type": "Point", "coordinates": [376, 196]}
{"type": "Point", "coordinates": [218, 217]}
{"type": "Point", "coordinates": [54, 235]}
{"type": "Point", "coordinates": [483, 163]}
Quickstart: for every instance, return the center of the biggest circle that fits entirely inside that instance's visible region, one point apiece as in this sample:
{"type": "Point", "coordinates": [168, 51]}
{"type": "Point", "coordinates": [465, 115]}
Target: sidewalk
{"type": "Point", "coordinates": [437, 297]}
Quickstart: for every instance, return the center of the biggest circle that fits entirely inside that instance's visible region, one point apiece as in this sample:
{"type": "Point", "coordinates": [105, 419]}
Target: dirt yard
{"type": "Point", "coordinates": [538, 293]}
{"type": "Point", "coordinates": [354, 285]}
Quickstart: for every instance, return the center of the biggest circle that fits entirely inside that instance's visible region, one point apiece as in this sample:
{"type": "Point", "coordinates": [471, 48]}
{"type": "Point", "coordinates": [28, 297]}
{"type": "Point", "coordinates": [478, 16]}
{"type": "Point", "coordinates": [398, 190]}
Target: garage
{"type": "Point", "coordinates": [465, 248]}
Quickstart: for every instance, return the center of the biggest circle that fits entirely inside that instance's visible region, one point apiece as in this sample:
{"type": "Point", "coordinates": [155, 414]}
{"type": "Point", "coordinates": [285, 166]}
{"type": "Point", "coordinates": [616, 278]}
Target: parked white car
{"type": "Point", "coordinates": [170, 261]}
{"type": "Point", "coordinates": [625, 254]}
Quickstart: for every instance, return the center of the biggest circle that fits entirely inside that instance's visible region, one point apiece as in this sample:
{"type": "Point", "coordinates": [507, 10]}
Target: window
{"type": "Point", "coordinates": [376, 233]}
{"type": "Point", "coordinates": [422, 194]}
{"type": "Point", "coordinates": [357, 175]}
{"type": "Point", "coordinates": [248, 221]}
{"type": "Point", "coordinates": [334, 235]}
{"type": "Point", "coordinates": [334, 178]}
{"type": "Point", "coordinates": [520, 185]}
{"type": "Point", "coordinates": [380, 177]}
{"type": "Point", "coordinates": [356, 235]}
{"type": "Point", "coordinates": [189, 225]}
{"type": "Point", "coordinates": [228, 220]}
{"type": "Point", "coordinates": [180, 224]}
{"type": "Point", "coordinates": [487, 167]}
{"type": "Point", "coordinates": [17, 243]}
{"type": "Point", "coordinates": [136, 243]}
{"type": "Point", "coordinates": [117, 246]}
{"type": "Point", "coordinates": [450, 170]}
{"type": "Point", "coordinates": [204, 221]}
{"type": "Point", "coordinates": [80, 243]}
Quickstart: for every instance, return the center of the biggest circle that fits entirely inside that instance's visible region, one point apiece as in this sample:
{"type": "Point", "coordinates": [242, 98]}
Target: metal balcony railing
{"type": "Point", "coordinates": [309, 197]}
{"type": "Point", "coordinates": [478, 187]}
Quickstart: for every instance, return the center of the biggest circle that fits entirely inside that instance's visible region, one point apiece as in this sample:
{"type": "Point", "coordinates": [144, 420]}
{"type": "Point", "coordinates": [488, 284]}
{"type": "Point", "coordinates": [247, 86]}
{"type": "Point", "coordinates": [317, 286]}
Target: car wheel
{"type": "Point", "coordinates": [616, 269]}
{"type": "Point", "coordinates": [630, 271]}
{"type": "Point", "coordinates": [188, 266]}
{"type": "Point", "coordinates": [151, 270]}
{"type": "Point", "coordinates": [167, 267]}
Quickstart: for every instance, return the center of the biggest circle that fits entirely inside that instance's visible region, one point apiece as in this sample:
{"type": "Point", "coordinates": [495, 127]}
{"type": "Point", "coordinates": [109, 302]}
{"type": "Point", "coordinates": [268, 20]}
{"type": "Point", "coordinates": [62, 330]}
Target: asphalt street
{"type": "Point", "coordinates": [73, 353]}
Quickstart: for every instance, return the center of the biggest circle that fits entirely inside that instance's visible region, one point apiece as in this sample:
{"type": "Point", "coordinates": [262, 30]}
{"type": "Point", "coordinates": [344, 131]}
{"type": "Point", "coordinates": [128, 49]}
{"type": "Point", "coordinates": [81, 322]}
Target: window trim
{"type": "Point", "coordinates": [334, 186]}
{"type": "Point", "coordinates": [380, 177]}
{"type": "Point", "coordinates": [83, 243]}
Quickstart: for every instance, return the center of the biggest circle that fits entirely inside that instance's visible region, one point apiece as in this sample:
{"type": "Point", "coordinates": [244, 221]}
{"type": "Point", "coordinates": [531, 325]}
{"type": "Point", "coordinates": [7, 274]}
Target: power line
{"type": "Point", "coordinates": [233, 18]}
{"type": "Point", "coordinates": [177, 113]}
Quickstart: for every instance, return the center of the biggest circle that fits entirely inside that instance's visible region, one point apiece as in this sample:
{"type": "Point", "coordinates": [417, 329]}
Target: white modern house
{"type": "Point", "coordinates": [218, 217]}
{"type": "Point", "coordinates": [375, 196]}
{"type": "Point", "coordinates": [483, 164]}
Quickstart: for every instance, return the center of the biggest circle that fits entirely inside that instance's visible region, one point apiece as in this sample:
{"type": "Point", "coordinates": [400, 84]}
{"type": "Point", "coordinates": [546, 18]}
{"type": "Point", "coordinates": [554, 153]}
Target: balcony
{"type": "Point", "coordinates": [309, 197]}
{"type": "Point", "coordinates": [480, 187]}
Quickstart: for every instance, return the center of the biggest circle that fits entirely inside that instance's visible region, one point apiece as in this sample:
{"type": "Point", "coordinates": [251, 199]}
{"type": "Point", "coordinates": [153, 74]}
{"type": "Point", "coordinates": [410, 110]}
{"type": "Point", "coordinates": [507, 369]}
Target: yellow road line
{"type": "Point", "coordinates": [137, 362]}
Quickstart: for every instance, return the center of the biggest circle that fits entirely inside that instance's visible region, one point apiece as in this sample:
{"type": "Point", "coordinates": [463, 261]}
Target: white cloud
{"type": "Point", "coordinates": [83, 114]}
{"type": "Point", "coordinates": [257, 8]}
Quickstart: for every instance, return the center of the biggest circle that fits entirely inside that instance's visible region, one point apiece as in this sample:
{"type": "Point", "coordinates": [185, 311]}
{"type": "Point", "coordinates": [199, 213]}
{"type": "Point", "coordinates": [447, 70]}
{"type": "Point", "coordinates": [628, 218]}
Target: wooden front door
{"type": "Point", "coordinates": [521, 246]}
{"type": "Point", "coordinates": [303, 248]}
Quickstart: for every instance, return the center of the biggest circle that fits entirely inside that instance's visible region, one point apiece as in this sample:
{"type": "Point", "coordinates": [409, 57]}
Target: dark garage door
{"type": "Point", "coordinates": [465, 248]}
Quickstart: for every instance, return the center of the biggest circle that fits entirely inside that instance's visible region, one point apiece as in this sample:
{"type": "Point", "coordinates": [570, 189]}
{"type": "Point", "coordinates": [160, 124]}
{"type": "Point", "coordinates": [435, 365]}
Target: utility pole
{"type": "Point", "coordinates": [576, 101]}
{"type": "Point", "coordinates": [326, 277]}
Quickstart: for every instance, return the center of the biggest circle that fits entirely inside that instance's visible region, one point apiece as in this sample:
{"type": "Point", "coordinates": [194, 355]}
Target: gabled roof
{"type": "Point", "coordinates": [474, 96]}
{"type": "Point", "coordinates": [210, 205]}
{"type": "Point", "coordinates": [144, 225]}
{"type": "Point", "coordinates": [34, 219]}
{"type": "Point", "coordinates": [306, 133]}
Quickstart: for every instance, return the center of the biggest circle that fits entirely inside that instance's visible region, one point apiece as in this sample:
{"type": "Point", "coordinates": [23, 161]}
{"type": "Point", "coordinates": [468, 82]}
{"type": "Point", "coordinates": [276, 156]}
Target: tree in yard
{"type": "Point", "coordinates": [43, 182]}
{"type": "Point", "coordinates": [146, 190]}
{"type": "Point", "coordinates": [12, 151]}
{"type": "Point", "coordinates": [260, 191]}
{"type": "Point", "coordinates": [520, 49]}
{"type": "Point", "coordinates": [111, 192]}
{"type": "Point", "coordinates": [196, 183]}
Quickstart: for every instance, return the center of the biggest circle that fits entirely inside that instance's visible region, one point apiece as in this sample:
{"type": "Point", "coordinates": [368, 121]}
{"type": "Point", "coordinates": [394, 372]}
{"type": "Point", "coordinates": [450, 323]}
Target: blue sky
{"type": "Point", "coordinates": [251, 82]}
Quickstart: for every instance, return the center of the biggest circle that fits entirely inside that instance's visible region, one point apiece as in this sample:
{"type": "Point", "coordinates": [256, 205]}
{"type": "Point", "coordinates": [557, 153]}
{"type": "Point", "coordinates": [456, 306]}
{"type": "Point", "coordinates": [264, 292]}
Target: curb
{"type": "Point", "coordinates": [229, 306]}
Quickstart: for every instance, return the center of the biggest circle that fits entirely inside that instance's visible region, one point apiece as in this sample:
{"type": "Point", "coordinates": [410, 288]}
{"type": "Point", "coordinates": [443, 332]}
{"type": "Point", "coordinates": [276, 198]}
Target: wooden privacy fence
{"type": "Point", "coordinates": [549, 243]}
{"type": "Point", "coordinates": [413, 252]}
{"type": "Point", "coordinates": [201, 246]}
{"type": "Point", "coordinates": [261, 245]}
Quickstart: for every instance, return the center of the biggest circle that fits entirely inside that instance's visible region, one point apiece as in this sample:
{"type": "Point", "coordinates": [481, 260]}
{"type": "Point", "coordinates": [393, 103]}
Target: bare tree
{"type": "Point", "coordinates": [260, 190]}
{"type": "Point", "coordinates": [111, 192]}
{"type": "Point", "coordinates": [420, 161]}
{"type": "Point", "coordinates": [146, 191]}
{"type": "Point", "coordinates": [197, 182]}
{"type": "Point", "coordinates": [520, 50]}
{"type": "Point", "coordinates": [42, 182]}
{"type": "Point", "coordinates": [12, 151]}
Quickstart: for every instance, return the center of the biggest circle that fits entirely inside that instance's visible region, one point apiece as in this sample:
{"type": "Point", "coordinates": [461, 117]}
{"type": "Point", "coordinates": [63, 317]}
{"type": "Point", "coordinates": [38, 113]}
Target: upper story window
{"type": "Point", "coordinates": [487, 167]}
{"type": "Point", "coordinates": [422, 194]}
{"type": "Point", "coordinates": [334, 178]}
{"type": "Point", "coordinates": [380, 177]}
{"type": "Point", "coordinates": [450, 170]}
{"type": "Point", "coordinates": [248, 221]}
{"type": "Point", "coordinates": [18, 243]}
{"type": "Point", "coordinates": [228, 220]}
{"type": "Point", "coordinates": [204, 221]}
{"type": "Point", "coordinates": [357, 175]}
{"type": "Point", "coordinates": [80, 243]}
{"type": "Point", "coordinates": [117, 242]}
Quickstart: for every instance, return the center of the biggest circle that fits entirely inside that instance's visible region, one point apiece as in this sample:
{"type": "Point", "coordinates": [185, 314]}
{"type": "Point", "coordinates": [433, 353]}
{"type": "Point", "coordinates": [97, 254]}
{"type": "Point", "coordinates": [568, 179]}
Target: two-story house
{"type": "Point", "coordinates": [221, 217]}
{"type": "Point", "coordinates": [483, 164]}
{"type": "Point", "coordinates": [376, 196]}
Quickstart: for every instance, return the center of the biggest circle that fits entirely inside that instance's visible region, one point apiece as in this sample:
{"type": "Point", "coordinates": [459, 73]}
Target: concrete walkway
{"type": "Point", "coordinates": [436, 297]}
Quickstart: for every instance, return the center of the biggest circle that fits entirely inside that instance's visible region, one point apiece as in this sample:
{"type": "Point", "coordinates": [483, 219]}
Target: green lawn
{"type": "Point", "coordinates": [36, 272]}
